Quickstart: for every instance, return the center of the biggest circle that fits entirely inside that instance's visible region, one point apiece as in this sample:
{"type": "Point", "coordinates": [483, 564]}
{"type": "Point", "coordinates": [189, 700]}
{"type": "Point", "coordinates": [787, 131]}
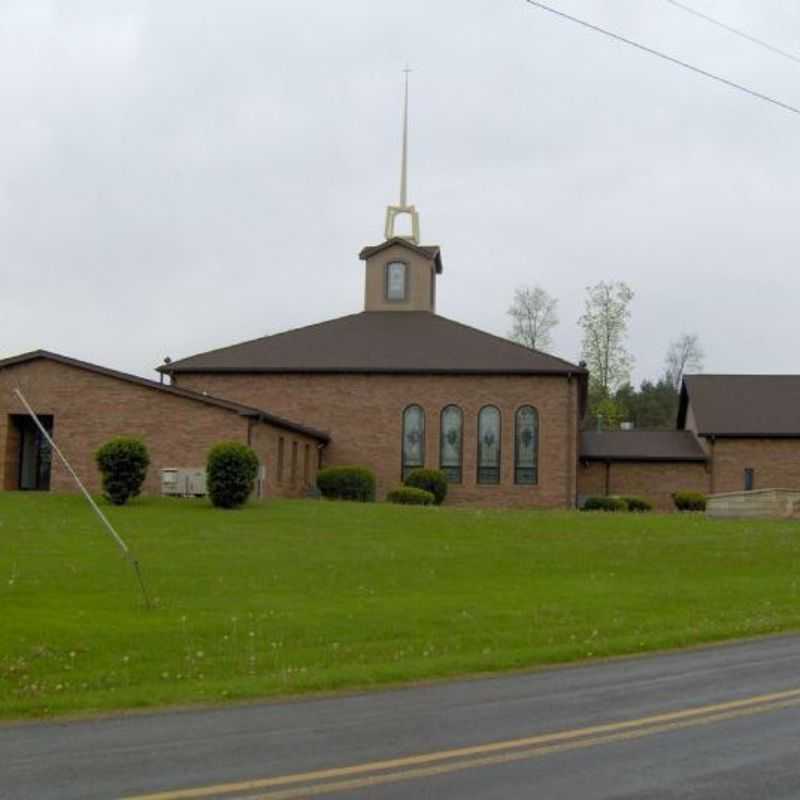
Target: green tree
{"type": "Point", "coordinates": [605, 333]}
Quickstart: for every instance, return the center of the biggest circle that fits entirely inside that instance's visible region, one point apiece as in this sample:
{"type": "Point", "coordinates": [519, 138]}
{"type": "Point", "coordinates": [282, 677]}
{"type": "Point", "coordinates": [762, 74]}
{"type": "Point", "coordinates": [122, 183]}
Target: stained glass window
{"type": "Point", "coordinates": [489, 445]}
{"type": "Point", "coordinates": [526, 446]}
{"type": "Point", "coordinates": [396, 281]}
{"type": "Point", "coordinates": [450, 443]}
{"type": "Point", "coordinates": [413, 439]}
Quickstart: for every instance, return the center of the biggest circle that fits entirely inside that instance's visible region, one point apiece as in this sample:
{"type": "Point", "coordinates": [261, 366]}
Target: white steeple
{"type": "Point", "coordinates": [392, 212]}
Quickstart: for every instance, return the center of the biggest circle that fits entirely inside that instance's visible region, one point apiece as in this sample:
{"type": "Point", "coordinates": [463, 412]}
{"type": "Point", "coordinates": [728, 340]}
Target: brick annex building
{"type": "Point", "coordinates": [395, 387]}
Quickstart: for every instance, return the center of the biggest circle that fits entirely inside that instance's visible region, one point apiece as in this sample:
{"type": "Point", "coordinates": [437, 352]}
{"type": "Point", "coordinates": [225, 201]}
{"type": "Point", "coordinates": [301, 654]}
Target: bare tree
{"type": "Point", "coordinates": [685, 354]}
{"type": "Point", "coordinates": [533, 315]}
{"type": "Point", "coordinates": [605, 331]}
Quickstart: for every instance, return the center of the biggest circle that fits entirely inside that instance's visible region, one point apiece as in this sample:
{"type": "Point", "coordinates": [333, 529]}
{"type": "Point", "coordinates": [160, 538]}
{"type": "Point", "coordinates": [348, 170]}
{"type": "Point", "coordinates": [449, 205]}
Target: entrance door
{"type": "Point", "coordinates": [35, 454]}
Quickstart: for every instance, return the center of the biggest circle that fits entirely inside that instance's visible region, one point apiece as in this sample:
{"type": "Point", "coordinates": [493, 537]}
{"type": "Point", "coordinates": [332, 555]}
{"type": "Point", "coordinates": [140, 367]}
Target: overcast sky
{"type": "Point", "coordinates": [177, 176]}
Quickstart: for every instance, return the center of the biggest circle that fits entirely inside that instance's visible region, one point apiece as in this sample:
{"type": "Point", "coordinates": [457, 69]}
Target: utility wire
{"type": "Point", "coordinates": [666, 57]}
{"type": "Point", "coordinates": [736, 31]}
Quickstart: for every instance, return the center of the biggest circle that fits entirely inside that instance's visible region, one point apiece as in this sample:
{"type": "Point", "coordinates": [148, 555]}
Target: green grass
{"type": "Point", "coordinates": [294, 597]}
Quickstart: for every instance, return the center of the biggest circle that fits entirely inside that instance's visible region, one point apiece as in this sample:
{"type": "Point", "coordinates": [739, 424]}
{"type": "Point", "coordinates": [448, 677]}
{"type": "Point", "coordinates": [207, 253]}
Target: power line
{"type": "Point", "coordinates": [736, 31]}
{"type": "Point", "coordinates": [666, 57]}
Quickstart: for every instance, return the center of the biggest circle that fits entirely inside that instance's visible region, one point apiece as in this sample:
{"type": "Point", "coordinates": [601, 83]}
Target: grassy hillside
{"type": "Point", "coordinates": [299, 596]}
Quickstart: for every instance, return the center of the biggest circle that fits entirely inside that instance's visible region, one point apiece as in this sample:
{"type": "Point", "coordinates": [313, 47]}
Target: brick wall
{"type": "Point", "coordinates": [776, 463]}
{"type": "Point", "coordinates": [89, 409]}
{"type": "Point", "coordinates": [653, 481]}
{"type": "Point", "coordinates": [266, 441]}
{"type": "Point", "coordinates": [363, 413]}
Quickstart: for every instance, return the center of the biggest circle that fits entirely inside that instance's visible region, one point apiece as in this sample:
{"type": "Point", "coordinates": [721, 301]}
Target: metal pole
{"type": "Point", "coordinates": [117, 538]}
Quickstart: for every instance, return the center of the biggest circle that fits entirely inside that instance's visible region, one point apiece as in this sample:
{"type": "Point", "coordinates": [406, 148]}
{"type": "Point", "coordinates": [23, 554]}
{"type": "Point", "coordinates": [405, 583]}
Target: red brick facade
{"type": "Point", "coordinates": [653, 481]}
{"type": "Point", "coordinates": [363, 414]}
{"type": "Point", "coordinates": [775, 463]}
{"type": "Point", "coordinates": [89, 408]}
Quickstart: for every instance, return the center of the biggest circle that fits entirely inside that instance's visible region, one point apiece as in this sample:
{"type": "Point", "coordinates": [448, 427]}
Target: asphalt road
{"type": "Point", "coordinates": [718, 722]}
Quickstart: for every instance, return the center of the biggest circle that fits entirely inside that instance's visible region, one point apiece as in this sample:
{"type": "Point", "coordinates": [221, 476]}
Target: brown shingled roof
{"type": "Point", "coordinates": [745, 406]}
{"type": "Point", "coordinates": [176, 391]}
{"type": "Point", "coordinates": [380, 342]}
{"type": "Point", "coordinates": [430, 251]}
{"type": "Point", "coordinates": [640, 446]}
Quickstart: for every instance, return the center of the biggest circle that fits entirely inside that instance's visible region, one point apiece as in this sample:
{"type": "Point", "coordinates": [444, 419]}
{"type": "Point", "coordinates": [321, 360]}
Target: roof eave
{"type": "Point", "coordinates": [646, 458]}
{"type": "Point", "coordinates": [173, 369]}
{"type": "Point", "coordinates": [750, 435]}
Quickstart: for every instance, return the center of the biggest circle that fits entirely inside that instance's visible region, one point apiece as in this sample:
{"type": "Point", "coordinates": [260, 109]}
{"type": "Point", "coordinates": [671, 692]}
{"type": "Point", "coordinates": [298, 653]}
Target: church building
{"type": "Point", "coordinates": [394, 387]}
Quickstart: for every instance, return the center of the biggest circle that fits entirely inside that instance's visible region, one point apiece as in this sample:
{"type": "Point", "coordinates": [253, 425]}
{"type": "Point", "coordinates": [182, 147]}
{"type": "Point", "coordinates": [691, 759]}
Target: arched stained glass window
{"type": "Point", "coordinates": [451, 443]}
{"type": "Point", "coordinates": [489, 445]}
{"type": "Point", "coordinates": [413, 439]}
{"type": "Point", "coordinates": [526, 446]}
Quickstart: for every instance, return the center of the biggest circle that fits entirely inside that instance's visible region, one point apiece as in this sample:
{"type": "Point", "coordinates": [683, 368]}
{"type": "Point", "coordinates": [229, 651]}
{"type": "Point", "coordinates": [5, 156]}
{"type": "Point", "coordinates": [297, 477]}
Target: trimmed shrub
{"type": "Point", "coordinates": [605, 504]}
{"type": "Point", "coordinates": [123, 465]}
{"type": "Point", "coordinates": [638, 504]}
{"type": "Point", "coordinates": [230, 474]}
{"type": "Point", "coordinates": [411, 496]}
{"type": "Point", "coordinates": [431, 480]}
{"type": "Point", "coordinates": [689, 501]}
{"type": "Point", "coordinates": [347, 483]}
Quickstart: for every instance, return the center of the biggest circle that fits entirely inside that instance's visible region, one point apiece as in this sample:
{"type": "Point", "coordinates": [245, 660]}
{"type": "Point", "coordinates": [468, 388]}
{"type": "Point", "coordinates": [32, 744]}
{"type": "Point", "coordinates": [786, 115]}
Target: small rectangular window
{"type": "Point", "coordinates": [749, 479]}
{"type": "Point", "coordinates": [307, 465]}
{"type": "Point", "coordinates": [294, 462]}
{"type": "Point", "coordinates": [396, 280]}
{"type": "Point", "coordinates": [280, 459]}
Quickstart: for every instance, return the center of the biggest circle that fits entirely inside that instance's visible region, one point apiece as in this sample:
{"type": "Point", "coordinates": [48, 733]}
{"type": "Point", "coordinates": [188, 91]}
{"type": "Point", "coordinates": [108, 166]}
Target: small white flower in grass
{"type": "Point", "coordinates": [200, 654]}
{"type": "Point", "coordinates": [165, 675]}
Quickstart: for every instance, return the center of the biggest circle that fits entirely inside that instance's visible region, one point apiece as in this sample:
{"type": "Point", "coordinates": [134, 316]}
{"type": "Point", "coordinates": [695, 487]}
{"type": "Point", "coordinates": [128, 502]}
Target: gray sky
{"type": "Point", "coordinates": [176, 176]}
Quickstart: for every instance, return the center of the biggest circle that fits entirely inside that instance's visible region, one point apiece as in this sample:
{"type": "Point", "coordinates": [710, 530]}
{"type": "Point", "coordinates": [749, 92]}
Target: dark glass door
{"type": "Point", "coordinates": [35, 454]}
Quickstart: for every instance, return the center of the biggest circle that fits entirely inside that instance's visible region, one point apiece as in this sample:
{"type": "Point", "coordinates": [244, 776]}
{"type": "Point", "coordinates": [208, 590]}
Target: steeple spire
{"type": "Point", "coordinates": [392, 212]}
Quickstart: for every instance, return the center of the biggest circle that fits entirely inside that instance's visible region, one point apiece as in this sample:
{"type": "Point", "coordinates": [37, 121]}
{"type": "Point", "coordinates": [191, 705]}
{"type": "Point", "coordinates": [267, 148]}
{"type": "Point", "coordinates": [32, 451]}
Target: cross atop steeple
{"type": "Point", "coordinates": [392, 212]}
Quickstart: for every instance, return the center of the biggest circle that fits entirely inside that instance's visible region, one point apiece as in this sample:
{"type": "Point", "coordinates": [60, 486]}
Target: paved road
{"type": "Point", "coordinates": [719, 722]}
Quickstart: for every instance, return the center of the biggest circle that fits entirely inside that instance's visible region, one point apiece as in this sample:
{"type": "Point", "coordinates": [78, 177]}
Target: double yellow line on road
{"type": "Point", "coordinates": [375, 773]}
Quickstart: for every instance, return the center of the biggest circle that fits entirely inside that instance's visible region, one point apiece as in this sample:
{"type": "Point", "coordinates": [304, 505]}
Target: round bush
{"type": "Point", "coordinates": [410, 496]}
{"type": "Point", "coordinates": [431, 480]}
{"type": "Point", "coordinates": [689, 501]}
{"type": "Point", "coordinates": [231, 474]}
{"type": "Point", "coordinates": [123, 465]}
{"type": "Point", "coordinates": [638, 504]}
{"type": "Point", "coordinates": [604, 504]}
{"type": "Point", "coordinates": [347, 483]}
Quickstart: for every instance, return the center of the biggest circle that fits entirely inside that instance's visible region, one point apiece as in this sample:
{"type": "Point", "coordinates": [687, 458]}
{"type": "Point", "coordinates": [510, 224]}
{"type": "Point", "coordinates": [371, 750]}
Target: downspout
{"type": "Point", "coordinates": [572, 447]}
{"type": "Point", "coordinates": [712, 442]}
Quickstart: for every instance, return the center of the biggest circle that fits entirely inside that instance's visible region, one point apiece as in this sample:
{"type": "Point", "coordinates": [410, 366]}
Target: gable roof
{"type": "Point", "coordinates": [745, 406]}
{"type": "Point", "coordinates": [176, 391]}
{"type": "Point", "coordinates": [640, 446]}
{"type": "Point", "coordinates": [389, 342]}
{"type": "Point", "coordinates": [430, 251]}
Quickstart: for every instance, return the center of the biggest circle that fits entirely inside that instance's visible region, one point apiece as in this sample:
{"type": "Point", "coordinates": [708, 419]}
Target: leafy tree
{"type": "Point", "coordinates": [533, 315]}
{"type": "Point", "coordinates": [651, 406]}
{"type": "Point", "coordinates": [605, 331]}
{"type": "Point", "coordinates": [685, 354]}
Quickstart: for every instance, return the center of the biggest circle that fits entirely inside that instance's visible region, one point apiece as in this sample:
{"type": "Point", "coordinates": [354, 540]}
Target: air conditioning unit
{"type": "Point", "coordinates": [183, 482]}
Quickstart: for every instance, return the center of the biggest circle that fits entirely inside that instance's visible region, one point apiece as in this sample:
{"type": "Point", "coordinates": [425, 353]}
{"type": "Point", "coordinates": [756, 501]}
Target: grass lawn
{"type": "Point", "coordinates": [298, 596]}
